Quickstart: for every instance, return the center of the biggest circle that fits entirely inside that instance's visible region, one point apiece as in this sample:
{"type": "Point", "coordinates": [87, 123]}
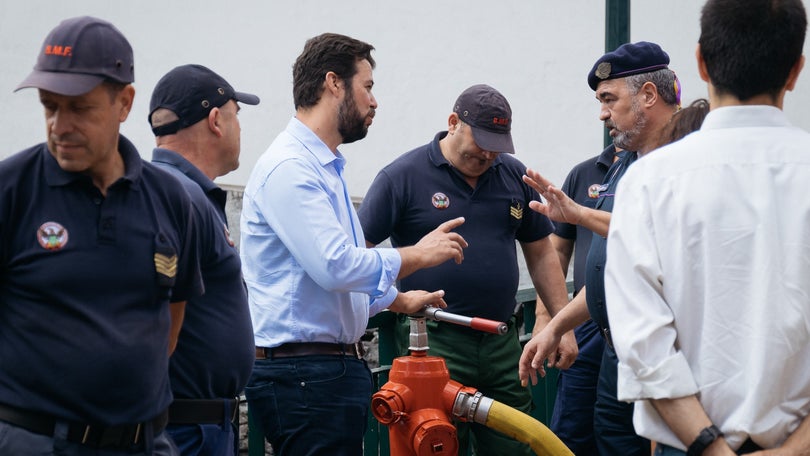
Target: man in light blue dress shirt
{"type": "Point", "coordinates": [312, 284]}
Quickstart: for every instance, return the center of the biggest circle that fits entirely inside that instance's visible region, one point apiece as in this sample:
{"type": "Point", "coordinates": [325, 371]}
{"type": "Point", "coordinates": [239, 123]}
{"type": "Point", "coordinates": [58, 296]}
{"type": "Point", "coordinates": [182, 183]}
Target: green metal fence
{"type": "Point", "coordinates": [376, 438]}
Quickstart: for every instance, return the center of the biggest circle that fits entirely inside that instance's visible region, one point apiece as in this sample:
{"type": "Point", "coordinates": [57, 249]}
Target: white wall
{"type": "Point", "coordinates": [536, 52]}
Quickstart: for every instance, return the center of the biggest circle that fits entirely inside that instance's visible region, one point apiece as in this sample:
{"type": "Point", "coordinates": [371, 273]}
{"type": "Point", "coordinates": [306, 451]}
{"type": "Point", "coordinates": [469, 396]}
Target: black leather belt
{"type": "Point", "coordinates": [310, 349]}
{"type": "Point", "coordinates": [203, 411]}
{"type": "Point", "coordinates": [124, 436]}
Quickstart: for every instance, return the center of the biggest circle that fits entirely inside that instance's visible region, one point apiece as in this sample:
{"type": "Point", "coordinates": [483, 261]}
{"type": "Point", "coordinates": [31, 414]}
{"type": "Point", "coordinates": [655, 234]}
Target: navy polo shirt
{"type": "Point", "coordinates": [420, 190]}
{"type": "Point", "coordinates": [214, 355]}
{"type": "Point", "coordinates": [597, 255]}
{"type": "Point", "coordinates": [582, 185]}
{"type": "Point", "coordinates": [85, 286]}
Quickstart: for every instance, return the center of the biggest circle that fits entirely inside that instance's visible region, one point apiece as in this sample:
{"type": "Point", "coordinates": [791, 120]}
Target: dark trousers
{"type": "Point", "coordinates": [572, 419]}
{"type": "Point", "coordinates": [311, 405]}
{"type": "Point", "coordinates": [205, 439]}
{"type": "Point", "coordinates": [17, 441]}
{"type": "Point", "coordinates": [613, 419]}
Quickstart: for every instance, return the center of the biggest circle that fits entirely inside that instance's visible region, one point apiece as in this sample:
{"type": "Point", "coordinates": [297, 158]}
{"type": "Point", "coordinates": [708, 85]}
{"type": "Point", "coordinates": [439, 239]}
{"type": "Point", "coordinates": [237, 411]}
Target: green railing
{"type": "Point", "coordinates": [376, 439]}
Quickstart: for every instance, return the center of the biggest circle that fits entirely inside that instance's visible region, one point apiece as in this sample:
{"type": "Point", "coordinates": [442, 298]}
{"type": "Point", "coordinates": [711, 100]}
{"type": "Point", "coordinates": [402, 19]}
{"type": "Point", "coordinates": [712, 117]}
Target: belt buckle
{"type": "Point", "coordinates": [359, 350]}
{"type": "Point", "coordinates": [109, 437]}
{"type": "Point", "coordinates": [235, 414]}
{"type": "Point", "coordinates": [608, 337]}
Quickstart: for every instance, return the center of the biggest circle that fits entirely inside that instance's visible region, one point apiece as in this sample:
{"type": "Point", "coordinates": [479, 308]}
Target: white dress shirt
{"type": "Point", "coordinates": [708, 277]}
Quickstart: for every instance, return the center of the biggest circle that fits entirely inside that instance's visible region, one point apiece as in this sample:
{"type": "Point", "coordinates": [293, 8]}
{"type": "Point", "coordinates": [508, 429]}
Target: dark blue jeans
{"type": "Point", "coordinates": [311, 405]}
{"type": "Point", "coordinates": [613, 419]}
{"type": "Point", "coordinates": [664, 450]}
{"type": "Point", "coordinates": [572, 419]}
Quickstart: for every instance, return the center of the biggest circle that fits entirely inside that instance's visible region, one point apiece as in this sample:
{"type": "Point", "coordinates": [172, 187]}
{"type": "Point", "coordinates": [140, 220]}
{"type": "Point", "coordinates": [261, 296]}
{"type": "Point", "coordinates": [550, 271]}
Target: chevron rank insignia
{"type": "Point", "coordinates": [166, 265]}
{"type": "Point", "coordinates": [516, 210]}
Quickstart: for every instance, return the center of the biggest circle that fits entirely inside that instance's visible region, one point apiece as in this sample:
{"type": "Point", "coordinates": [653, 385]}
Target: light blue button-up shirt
{"type": "Point", "coordinates": [309, 276]}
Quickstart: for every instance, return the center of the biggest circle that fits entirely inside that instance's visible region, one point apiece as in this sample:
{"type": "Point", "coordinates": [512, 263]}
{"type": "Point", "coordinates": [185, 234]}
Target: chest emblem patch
{"type": "Point", "coordinates": [595, 189]}
{"type": "Point", "coordinates": [52, 236]}
{"type": "Point", "coordinates": [440, 200]}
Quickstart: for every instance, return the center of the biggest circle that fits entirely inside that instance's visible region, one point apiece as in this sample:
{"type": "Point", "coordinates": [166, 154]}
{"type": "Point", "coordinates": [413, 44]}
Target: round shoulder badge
{"type": "Point", "coordinates": [52, 236]}
{"type": "Point", "coordinates": [440, 200]}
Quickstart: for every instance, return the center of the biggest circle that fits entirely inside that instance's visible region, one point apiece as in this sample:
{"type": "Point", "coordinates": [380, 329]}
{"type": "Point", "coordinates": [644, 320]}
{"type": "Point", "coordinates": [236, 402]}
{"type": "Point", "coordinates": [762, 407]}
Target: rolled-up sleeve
{"type": "Point", "coordinates": [641, 321]}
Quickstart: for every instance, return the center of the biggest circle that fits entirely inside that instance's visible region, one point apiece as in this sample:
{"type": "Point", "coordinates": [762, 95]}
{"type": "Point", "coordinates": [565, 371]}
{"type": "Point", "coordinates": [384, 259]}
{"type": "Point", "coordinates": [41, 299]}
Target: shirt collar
{"type": "Point", "coordinates": [172, 158]}
{"type": "Point", "coordinates": [133, 166]}
{"type": "Point", "coordinates": [314, 145]}
{"type": "Point", "coordinates": [606, 158]}
{"type": "Point", "coordinates": [438, 159]}
{"type": "Point", "coordinates": [745, 117]}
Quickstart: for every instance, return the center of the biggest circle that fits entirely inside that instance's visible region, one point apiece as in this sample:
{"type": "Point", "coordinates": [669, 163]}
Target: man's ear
{"type": "Point", "coordinates": [214, 119]}
{"type": "Point", "coordinates": [650, 93]}
{"type": "Point", "coordinates": [453, 123]}
{"type": "Point", "coordinates": [793, 76]}
{"type": "Point", "coordinates": [702, 71]}
{"type": "Point", "coordinates": [126, 96]}
{"type": "Point", "coordinates": [332, 83]}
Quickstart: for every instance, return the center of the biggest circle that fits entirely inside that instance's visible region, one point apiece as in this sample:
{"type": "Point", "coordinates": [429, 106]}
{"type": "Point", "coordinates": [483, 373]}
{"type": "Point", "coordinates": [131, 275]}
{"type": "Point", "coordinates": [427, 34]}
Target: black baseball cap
{"type": "Point", "coordinates": [78, 55]}
{"type": "Point", "coordinates": [191, 92]}
{"type": "Point", "coordinates": [489, 116]}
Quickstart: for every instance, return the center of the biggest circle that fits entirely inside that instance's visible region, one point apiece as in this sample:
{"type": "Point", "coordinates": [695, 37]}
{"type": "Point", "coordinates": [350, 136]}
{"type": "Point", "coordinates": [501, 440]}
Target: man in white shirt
{"type": "Point", "coordinates": [709, 253]}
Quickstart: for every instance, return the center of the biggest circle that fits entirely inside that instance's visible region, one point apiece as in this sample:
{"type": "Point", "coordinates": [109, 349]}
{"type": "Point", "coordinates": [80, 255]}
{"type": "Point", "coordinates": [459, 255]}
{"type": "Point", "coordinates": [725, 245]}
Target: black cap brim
{"type": "Point", "coordinates": [68, 84]}
{"type": "Point", "coordinates": [246, 98]}
{"type": "Point", "coordinates": [493, 142]}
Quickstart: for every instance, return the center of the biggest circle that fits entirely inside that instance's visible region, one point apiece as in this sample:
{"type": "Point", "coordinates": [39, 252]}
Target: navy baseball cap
{"type": "Point", "coordinates": [79, 54]}
{"type": "Point", "coordinates": [191, 92]}
{"type": "Point", "coordinates": [489, 116]}
{"type": "Point", "coordinates": [627, 60]}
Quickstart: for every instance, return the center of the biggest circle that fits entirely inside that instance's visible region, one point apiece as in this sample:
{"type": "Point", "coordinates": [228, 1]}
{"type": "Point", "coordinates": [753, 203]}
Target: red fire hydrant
{"type": "Point", "coordinates": [419, 400]}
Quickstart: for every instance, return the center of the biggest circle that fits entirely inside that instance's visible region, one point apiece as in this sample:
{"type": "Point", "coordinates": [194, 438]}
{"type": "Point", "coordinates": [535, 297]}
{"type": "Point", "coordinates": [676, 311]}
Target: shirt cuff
{"type": "Point", "coordinates": [391, 264]}
{"type": "Point", "coordinates": [377, 305]}
{"type": "Point", "coordinates": [670, 379]}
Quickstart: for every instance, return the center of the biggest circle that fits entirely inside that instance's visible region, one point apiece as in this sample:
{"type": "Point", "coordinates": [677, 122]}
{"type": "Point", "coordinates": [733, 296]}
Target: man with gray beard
{"type": "Point", "coordinates": [638, 94]}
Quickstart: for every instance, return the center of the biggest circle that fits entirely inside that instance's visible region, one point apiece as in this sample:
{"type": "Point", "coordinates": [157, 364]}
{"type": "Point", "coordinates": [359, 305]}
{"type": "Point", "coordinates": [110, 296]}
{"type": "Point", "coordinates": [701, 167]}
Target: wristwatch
{"type": "Point", "coordinates": [706, 437]}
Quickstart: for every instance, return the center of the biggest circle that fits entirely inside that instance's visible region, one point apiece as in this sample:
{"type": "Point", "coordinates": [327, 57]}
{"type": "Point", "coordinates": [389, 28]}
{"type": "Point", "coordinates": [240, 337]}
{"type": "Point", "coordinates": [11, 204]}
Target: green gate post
{"type": "Point", "coordinates": [545, 391]}
{"type": "Point", "coordinates": [376, 441]}
{"type": "Point", "coordinates": [617, 32]}
{"type": "Point", "coordinates": [255, 438]}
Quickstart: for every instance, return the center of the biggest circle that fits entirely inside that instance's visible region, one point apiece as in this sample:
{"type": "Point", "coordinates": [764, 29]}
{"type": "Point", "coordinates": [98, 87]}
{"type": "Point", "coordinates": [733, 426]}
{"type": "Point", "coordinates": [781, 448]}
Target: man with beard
{"type": "Point", "coordinates": [638, 94]}
{"type": "Point", "coordinates": [469, 171]}
{"type": "Point", "coordinates": [312, 283]}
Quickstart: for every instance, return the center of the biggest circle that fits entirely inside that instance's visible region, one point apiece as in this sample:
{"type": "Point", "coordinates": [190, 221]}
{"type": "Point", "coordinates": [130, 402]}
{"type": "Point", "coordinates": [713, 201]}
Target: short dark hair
{"type": "Point", "coordinates": [750, 46]}
{"type": "Point", "coordinates": [322, 54]}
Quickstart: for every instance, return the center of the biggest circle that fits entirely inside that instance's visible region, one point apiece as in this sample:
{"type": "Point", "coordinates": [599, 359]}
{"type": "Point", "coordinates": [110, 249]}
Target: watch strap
{"type": "Point", "coordinates": [706, 437]}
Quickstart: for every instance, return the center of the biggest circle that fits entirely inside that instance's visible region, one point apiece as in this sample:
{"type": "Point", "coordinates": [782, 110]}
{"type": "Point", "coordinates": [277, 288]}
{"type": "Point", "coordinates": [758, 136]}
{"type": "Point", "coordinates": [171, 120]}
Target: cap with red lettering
{"type": "Point", "coordinates": [79, 54]}
{"type": "Point", "coordinates": [489, 116]}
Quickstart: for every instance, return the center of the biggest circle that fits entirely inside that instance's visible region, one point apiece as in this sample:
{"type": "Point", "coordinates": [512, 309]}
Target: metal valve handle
{"type": "Point", "coordinates": [480, 324]}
